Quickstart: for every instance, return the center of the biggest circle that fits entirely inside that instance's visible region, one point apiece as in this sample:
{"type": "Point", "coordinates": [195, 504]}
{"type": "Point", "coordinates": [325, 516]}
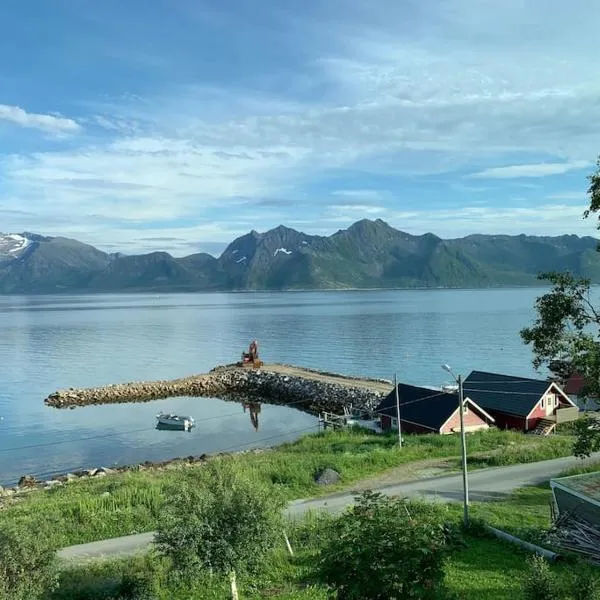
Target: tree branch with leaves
{"type": "Point", "coordinates": [565, 336]}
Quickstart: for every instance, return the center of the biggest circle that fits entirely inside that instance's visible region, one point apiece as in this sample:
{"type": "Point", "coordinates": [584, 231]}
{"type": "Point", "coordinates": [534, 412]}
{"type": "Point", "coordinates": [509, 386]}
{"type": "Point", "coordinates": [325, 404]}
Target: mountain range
{"type": "Point", "coordinates": [369, 254]}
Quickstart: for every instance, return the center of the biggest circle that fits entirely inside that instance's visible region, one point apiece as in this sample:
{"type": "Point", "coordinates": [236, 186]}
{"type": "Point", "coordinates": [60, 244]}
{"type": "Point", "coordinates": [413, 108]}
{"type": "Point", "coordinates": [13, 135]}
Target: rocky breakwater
{"type": "Point", "coordinates": [313, 392]}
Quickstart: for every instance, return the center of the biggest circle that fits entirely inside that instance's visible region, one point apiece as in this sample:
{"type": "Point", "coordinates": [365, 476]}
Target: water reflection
{"type": "Point", "coordinates": [254, 408]}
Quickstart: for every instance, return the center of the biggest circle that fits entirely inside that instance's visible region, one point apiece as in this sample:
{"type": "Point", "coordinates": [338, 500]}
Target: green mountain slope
{"type": "Point", "coordinates": [369, 254]}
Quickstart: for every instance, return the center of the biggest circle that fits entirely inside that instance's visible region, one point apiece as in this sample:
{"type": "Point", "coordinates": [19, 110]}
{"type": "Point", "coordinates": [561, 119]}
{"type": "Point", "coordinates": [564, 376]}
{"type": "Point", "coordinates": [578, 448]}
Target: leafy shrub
{"type": "Point", "coordinates": [27, 570]}
{"type": "Point", "coordinates": [138, 586]}
{"type": "Point", "coordinates": [586, 585]}
{"type": "Point", "coordinates": [386, 549]}
{"type": "Point", "coordinates": [219, 522]}
{"type": "Point", "coordinates": [540, 583]}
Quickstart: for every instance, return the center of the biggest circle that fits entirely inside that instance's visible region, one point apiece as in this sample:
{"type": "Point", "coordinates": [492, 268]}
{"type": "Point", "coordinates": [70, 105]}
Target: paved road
{"type": "Point", "coordinates": [485, 485]}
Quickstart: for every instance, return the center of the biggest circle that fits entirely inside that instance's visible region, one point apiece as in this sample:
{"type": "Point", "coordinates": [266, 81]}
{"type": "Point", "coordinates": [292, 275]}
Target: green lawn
{"type": "Point", "coordinates": [486, 569]}
{"type": "Point", "coordinates": [129, 502]}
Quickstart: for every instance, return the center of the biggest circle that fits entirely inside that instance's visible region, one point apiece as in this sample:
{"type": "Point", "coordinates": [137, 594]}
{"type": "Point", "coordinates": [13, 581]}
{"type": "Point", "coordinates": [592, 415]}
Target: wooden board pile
{"type": "Point", "coordinates": [570, 532]}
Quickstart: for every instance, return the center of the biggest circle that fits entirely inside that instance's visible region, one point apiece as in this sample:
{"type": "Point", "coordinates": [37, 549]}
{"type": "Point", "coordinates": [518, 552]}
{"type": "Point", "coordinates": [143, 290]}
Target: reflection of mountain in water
{"type": "Point", "coordinates": [254, 408]}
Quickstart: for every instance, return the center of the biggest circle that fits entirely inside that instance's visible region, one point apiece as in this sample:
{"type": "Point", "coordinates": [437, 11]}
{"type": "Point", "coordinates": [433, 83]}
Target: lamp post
{"type": "Point", "coordinates": [459, 381]}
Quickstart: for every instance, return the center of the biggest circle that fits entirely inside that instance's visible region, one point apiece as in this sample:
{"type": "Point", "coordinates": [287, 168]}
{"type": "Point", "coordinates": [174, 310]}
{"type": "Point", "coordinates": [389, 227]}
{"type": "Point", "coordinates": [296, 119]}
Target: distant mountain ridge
{"type": "Point", "coordinates": [369, 254]}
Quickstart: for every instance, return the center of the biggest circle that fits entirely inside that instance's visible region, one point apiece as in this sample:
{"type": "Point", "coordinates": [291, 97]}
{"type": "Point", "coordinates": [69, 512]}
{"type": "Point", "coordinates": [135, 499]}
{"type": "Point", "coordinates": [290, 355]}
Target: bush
{"type": "Point", "coordinates": [139, 585]}
{"type": "Point", "coordinates": [385, 549]}
{"type": "Point", "coordinates": [27, 568]}
{"type": "Point", "coordinates": [540, 583]}
{"type": "Point", "coordinates": [586, 585]}
{"type": "Point", "coordinates": [219, 522]}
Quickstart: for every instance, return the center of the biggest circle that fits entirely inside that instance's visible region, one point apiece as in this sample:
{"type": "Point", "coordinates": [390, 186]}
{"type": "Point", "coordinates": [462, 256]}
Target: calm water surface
{"type": "Point", "coordinates": [52, 342]}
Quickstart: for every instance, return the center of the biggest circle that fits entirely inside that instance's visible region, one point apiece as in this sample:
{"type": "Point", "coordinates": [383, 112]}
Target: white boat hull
{"type": "Point", "coordinates": [174, 422]}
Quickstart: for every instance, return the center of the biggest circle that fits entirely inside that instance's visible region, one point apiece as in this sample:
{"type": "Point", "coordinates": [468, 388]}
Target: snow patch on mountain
{"type": "Point", "coordinates": [12, 244]}
{"type": "Point", "coordinates": [283, 250]}
{"type": "Point", "coordinates": [241, 259]}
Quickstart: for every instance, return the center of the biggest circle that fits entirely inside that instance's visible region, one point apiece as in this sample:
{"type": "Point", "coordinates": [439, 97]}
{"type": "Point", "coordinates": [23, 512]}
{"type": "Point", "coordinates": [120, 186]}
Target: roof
{"type": "Point", "coordinates": [587, 484]}
{"type": "Point", "coordinates": [505, 393]}
{"type": "Point", "coordinates": [424, 406]}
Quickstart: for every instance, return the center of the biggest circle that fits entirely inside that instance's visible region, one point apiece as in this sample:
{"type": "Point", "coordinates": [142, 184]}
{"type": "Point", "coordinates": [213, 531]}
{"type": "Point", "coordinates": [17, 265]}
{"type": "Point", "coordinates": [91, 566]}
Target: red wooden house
{"type": "Point", "coordinates": [520, 402]}
{"type": "Point", "coordinates": [423, 410]}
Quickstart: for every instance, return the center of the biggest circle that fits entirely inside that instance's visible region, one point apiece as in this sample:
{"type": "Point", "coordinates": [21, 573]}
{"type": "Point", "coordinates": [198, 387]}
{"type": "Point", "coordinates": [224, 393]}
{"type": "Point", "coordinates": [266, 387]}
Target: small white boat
{"type": "Point", "coordinates": [174, 421]}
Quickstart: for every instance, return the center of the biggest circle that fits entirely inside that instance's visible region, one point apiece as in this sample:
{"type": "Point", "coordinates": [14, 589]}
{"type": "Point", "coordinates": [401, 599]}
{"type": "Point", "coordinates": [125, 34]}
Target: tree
{"type": "Point", "coordinates": [566, 334]}
{"type": "Point", "coordinates": [26, 563]}
{"type": "Point", "coordinates": [219, 522]}
{"type": "Point", "coordinates": [385, 549]}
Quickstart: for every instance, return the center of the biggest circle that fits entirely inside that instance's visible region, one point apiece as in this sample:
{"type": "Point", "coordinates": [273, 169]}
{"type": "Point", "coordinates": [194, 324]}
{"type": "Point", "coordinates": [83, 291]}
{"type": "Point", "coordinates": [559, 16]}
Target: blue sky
{"type": "Point", "coordinates": [181, 124]}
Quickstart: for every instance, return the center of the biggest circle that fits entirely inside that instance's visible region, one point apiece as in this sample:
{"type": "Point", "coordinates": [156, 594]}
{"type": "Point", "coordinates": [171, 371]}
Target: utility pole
{"type": "Point", "coordinates": [398, 411]}
{"type": "Point", "coordinates": [463, 443]}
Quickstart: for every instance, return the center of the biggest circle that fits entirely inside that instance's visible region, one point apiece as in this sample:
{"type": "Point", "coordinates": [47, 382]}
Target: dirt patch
{"type": "Point", "coordinates": [408, 472]}
{"type": "Point", "coordinates": [366, 383]}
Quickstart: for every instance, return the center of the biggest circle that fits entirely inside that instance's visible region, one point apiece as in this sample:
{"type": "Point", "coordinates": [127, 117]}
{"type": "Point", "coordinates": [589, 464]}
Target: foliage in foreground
{"type": "Point", "coordinates": [566, 333]}
{"type": "Point", "coordinates": [381, 550]}
{"type": "Point", "coordinates": [541, 583]}
{"type": "Point", "coordinates": [219, 522]}
{"type": "Point", "coordinates": [26, 563]}
{"type": "Point", "coordinates": [485, 569]}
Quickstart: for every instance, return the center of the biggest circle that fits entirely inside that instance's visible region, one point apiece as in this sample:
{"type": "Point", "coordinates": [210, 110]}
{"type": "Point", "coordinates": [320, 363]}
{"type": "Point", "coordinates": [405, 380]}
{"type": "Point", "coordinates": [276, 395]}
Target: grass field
{"type": "Point", "coordinates": [129, 502]}
{"type": "Point", "coordinates": [487, 569]}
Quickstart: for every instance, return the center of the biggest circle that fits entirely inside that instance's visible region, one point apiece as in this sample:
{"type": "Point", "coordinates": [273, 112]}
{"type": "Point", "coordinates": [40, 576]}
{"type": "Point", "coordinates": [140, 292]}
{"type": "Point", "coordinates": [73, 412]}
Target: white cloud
{"type": "Point", "coordinates": [544, 219]}
{"type": "Point", "coordinates": [469, 84]}
{"type": "Point", "coordinates": [357, 209]}
{"type": "Point", "coordinates": [532, 170]}
{"type": "Point", "coordinates": [49, 123]}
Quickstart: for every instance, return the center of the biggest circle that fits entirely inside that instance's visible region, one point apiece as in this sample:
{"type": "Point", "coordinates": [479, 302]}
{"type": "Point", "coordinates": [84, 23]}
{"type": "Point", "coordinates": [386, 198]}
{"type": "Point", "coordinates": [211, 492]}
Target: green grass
{"type": "Point", "coordinates": [129, 502]}
{"type": "Point", "coordinates": [486, 569]}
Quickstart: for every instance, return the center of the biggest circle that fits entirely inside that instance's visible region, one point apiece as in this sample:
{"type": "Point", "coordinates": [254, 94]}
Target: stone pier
{"type": "Point", "coordinates": [305, 389]}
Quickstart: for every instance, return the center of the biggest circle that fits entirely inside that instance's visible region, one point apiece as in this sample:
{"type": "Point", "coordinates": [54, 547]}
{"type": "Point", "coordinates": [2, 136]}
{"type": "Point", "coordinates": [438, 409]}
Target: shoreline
{"type": "Point", "coordinates": [9, 494]}
{"type": "Point", "coordinates": [167, 292]}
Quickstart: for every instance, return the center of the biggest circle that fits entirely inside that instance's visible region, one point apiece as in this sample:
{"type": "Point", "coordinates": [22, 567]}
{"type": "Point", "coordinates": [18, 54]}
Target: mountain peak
{"type": "Point", "coordinates": [12, 245]}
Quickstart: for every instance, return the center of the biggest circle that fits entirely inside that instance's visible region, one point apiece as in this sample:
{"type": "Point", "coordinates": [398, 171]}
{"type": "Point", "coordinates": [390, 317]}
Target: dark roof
{"type": "Point", "coordinates": [427, 407]}
{"type": "Point", "coordinates": [504, 393]}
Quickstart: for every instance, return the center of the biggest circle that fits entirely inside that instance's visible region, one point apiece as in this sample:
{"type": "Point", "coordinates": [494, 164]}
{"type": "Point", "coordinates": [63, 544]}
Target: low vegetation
{"type": "Point", "coordinates": [221, 522]}
{"type": "Point", "coordinates": [130, 502]}
{"type": "Point", "coordinates": [479, 568]}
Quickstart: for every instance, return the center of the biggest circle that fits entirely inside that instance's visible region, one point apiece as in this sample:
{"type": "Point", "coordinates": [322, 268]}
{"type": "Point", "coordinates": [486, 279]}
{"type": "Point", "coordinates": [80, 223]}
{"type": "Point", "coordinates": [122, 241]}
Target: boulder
{"type": "Point", "coordinates": [28, 481]}
{"type": "Point", "coordinates": [327, 477]}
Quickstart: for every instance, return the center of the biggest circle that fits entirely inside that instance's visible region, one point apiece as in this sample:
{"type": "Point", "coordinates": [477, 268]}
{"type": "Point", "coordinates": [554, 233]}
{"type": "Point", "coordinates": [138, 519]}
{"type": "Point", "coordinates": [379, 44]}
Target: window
{"type": "Point", "coordinates": [394, 422]}
{"type": "Point", "coordinates": [543, 402]}
{"type": "Point", "coordinates": [465, 409]}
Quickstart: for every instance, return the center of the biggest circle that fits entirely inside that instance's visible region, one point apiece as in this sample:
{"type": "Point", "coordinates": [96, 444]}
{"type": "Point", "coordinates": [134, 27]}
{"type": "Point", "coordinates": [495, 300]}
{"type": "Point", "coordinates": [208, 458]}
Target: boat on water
{"type": "Point", "coordinates": [169, 421]}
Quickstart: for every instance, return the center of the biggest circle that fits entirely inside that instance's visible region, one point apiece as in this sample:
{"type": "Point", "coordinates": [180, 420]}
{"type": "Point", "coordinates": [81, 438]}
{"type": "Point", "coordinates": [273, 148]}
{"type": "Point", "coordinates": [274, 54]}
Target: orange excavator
{"type": "Point", "coordinates": [250, 358]}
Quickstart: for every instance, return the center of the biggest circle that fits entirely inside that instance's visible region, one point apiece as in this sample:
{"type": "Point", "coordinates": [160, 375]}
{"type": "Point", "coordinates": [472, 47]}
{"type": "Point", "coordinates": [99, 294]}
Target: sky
{"type": "Point", "coordinates": [179, 125]}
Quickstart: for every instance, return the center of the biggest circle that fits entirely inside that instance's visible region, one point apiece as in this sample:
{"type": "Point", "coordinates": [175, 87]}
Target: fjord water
{"type": "Point", "coordinates": [54, 342]}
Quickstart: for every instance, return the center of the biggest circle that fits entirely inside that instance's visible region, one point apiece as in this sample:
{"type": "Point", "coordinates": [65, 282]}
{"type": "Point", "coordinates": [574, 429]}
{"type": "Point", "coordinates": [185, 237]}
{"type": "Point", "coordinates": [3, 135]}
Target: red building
{"type": "Point", "coordinates": [520, 402]}
{"type": "Point", "coordinates": [423, 410]}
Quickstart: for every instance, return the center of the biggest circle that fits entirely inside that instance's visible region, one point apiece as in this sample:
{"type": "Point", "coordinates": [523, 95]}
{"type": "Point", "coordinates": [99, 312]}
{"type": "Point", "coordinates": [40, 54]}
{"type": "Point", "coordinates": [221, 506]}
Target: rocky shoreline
{"type": "Point", "coordinates": [326, 392]}
{"type": "Point", "coordinates": [231, 382]}
{"type": "Point", "coordinates": [29, 483]}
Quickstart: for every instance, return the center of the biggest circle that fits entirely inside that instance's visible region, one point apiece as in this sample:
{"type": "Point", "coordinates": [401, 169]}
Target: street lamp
{"type": "Point", "coordinates": [459, 381]}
